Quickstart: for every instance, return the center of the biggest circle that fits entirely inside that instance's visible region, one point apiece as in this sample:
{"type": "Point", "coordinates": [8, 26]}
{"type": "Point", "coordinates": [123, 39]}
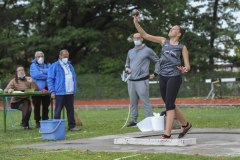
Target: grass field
{"type": "Point", "coordinates": [98, 122]}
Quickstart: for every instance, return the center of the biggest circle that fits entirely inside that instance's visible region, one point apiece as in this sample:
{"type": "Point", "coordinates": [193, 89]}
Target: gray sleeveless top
{"type": "Point", "coordinates": [170, 59]}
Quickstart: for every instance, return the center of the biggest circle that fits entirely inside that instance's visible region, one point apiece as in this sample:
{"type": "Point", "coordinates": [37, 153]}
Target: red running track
{"type": "Point", "coordinates": [179, 101]}
{"type": "Point", "coordinates": [187, 101]}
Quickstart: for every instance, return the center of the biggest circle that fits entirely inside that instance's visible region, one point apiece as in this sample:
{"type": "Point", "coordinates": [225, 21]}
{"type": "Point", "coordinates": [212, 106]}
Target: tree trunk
{"type": "Point", "coordinates": [213, 30]}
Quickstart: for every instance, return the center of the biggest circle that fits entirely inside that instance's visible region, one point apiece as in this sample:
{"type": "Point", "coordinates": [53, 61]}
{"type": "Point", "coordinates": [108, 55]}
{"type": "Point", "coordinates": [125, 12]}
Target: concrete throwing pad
{"type": "Point", "coordinates": [210, 142]}
{"type": "Point", "coordinates": [157, 142]}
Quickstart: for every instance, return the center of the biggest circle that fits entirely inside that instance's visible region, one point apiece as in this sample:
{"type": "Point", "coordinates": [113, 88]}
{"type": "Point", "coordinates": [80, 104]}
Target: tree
{"type": "Point", "coordinates": [96, 32]}
{"type": "Point", "coordinates": [215, 20]}
{"type": "Point", "coordinates": [12, 39]}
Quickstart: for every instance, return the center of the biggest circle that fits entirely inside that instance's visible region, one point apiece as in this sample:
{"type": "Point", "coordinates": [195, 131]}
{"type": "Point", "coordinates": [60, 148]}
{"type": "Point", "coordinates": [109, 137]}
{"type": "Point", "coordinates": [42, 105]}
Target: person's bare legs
{"type": "Point", "coordinates": [170, 118]}
{"type": "Point", "coordinates": [185, 125]}
{"type": "Point", "coordinates": [180, 116]}
{"type": "Point", "coordinates": [169, 122]}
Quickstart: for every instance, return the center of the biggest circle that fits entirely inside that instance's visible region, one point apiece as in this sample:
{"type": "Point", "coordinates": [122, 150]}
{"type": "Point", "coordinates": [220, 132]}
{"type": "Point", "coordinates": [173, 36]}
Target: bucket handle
{"type": "Point", "coordinates": [52, 130]}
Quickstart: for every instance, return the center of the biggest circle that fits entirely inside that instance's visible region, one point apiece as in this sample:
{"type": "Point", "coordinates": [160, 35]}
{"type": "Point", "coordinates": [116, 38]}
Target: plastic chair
{"type": "Point", "coordinates": [9, 110]}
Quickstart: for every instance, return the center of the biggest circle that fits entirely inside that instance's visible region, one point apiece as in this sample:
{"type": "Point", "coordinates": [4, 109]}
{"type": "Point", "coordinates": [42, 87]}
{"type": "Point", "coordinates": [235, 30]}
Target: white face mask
{"type": "Point", "coordinates": [137, 42]}
{"type": "Point", "coordinates": [21, 76]}
{"type": "Point", "coordinates": [40, 60]}
{"type": "Point", "coordinates": [65, 60]}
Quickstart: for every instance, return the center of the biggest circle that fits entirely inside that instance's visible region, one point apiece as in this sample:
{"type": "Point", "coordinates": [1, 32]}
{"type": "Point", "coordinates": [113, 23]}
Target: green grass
{"type": "Point", "coordinates": [98, 122]}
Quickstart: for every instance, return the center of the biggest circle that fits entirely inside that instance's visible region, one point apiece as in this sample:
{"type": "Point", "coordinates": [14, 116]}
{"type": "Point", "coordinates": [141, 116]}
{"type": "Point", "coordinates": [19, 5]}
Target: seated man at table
{"type": "Point", "coordinates": [22, 103]}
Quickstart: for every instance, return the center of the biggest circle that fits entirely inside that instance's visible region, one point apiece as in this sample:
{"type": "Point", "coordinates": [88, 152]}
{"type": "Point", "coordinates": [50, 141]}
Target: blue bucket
{"type": "Point", "coordinates": [52, 129]}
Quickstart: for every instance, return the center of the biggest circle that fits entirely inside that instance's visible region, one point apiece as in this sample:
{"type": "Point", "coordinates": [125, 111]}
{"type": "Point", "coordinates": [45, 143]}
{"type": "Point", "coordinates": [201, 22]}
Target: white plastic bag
{"type": "Point", "coordinates": [154, 123]}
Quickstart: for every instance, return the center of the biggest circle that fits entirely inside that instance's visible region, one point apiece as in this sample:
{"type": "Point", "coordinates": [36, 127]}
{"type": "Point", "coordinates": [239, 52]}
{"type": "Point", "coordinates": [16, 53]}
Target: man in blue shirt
{"type": "Point", "coordinates": [39, 73]}
{"type": "Point", "coordinates": [62, 84]}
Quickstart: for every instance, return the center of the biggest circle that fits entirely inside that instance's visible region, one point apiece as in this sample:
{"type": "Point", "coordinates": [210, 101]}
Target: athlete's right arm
{"type": "Point", "coordinates": [145, 35]}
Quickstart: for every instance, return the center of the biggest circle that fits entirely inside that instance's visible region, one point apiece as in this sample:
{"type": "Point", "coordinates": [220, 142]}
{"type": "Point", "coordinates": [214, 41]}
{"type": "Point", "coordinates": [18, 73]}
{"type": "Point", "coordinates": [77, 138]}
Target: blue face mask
{"type": "Point", "coordinates": [137, 42]}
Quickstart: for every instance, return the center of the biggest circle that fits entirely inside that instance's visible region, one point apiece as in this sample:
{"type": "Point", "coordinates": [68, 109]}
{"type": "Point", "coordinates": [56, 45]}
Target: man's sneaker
{"type": "Point", "coordinates": [132, 124]}
{"type": "Point", "coordinates": [74, 129]}
{"type": "Point", "coordinates": [184, 130]}
{"type": "Point", "coordinates": [26, 128]}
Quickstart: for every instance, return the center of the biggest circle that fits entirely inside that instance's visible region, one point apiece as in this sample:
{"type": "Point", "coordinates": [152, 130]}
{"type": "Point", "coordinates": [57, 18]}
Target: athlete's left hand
{"type": "Point", "coordinates": [183, 69]}
{"type": "Point", "coordinates": [152, 76]}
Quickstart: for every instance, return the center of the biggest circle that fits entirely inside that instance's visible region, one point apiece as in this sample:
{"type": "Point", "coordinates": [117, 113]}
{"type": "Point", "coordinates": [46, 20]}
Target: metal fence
{"type": "Point", "coordinates": [99, 86]}
{"type": "Point", "coordinates": [111, 87]}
